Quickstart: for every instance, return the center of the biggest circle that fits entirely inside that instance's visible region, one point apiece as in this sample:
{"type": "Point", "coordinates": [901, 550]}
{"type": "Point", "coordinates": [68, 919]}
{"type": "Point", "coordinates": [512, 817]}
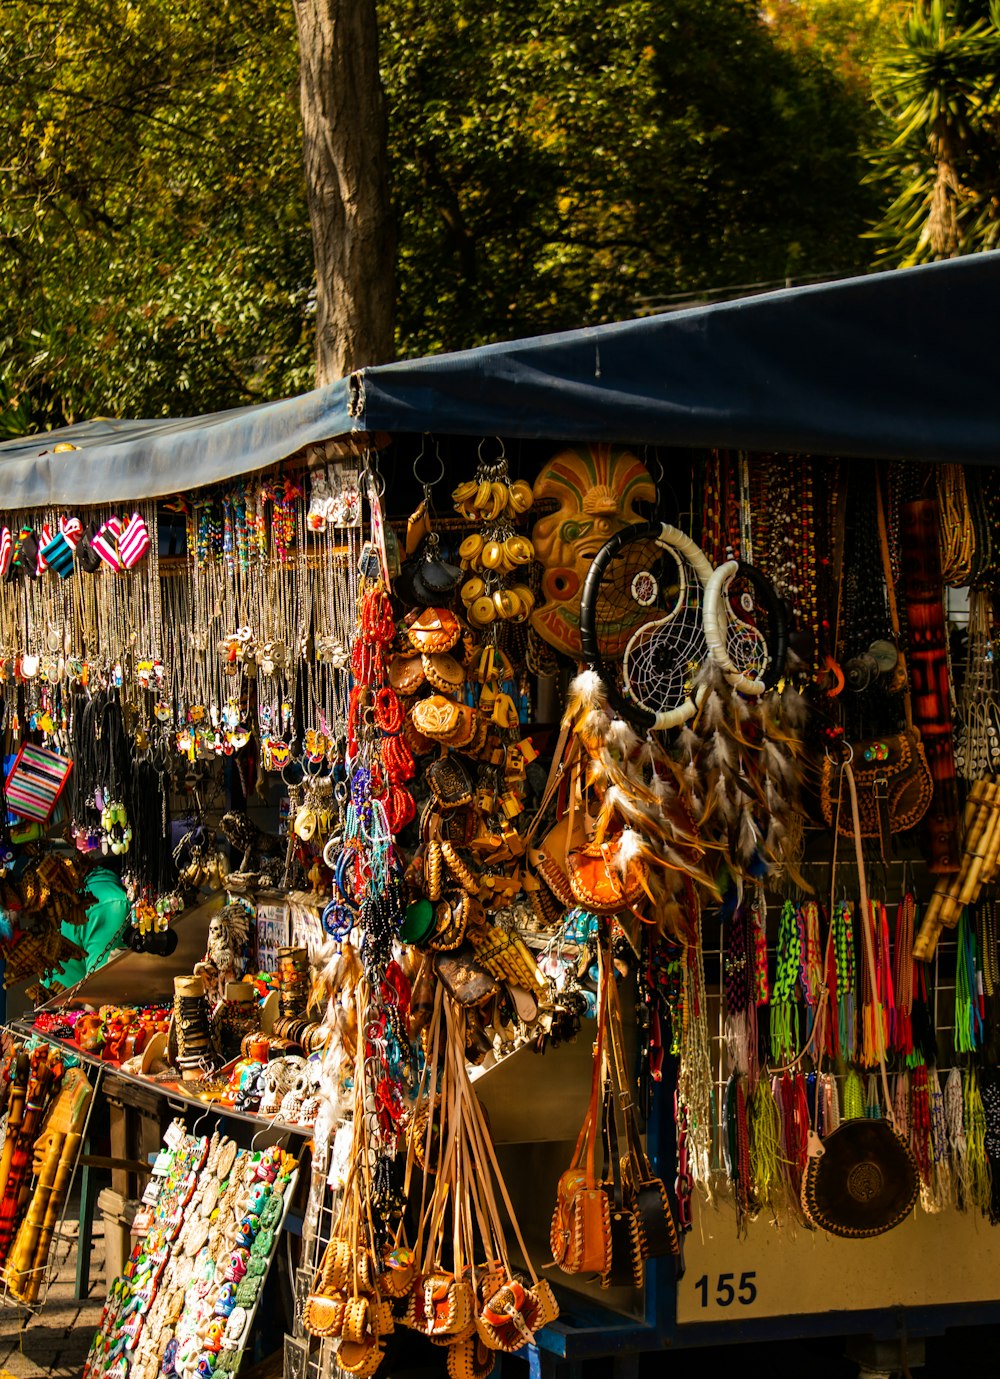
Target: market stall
{"type": "Point", "coordinates": [560, 781]}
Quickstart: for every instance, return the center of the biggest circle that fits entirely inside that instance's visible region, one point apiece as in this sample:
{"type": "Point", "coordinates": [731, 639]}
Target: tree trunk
{"type": "Point", "coordinates": [347, 181]}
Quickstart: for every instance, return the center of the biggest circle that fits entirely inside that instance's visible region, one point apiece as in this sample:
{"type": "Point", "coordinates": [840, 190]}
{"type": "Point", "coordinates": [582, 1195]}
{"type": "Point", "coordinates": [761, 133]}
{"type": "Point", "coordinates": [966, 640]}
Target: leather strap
{"type": "Point", "coordinates": [890, 589]}
{"type": "Point", "coordinates": [562, 757]}
{"type": "Point", "coordinates": [866, 931]}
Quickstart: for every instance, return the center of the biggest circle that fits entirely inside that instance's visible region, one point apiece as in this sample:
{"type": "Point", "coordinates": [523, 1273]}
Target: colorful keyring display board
{"type": "Point", "coordinates": [210, 1219]}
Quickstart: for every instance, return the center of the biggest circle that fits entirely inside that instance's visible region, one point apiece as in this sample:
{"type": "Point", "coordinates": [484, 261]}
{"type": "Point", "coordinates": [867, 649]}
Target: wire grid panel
{"type": "Point", "coordinates": [893, 880]}
{"type": "Point", "coordinates": [305, 1357]}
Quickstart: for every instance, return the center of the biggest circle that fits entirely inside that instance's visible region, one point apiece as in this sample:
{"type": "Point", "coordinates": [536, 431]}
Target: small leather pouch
{"type": "Point", "coordinates": [323, 1315]}
{"type": "Point", "coordinates": [450, 782]}
{"type": "Point", "coordinates": [597, 880]}
{"type": "Point", "coordinates": [465, 979]}
{"type": "Point", "coordinates": [434, 629]}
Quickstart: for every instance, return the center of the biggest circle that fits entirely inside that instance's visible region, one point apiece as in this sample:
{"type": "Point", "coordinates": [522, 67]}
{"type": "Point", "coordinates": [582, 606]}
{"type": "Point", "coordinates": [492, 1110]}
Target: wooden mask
{"type": "Point", "coordinates": [597, 487]}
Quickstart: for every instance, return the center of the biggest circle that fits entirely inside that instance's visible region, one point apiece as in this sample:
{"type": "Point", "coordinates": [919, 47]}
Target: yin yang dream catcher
{"type": "Point", "coordinates": [653, 579]}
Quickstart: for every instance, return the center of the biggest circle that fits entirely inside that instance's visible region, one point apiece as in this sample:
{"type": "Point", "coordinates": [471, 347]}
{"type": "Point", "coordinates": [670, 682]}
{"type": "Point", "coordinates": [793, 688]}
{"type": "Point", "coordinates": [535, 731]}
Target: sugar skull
{"type": "Point", "coordinates": [597, 488]}
{"type": "Point", "coordinates": [226, 1300]}
{"type": "Point", "coordinates": [247, 1231]}
{"type": "Point", "coordinates": [237, 1265]}
{"type": "Point", "coordinates": [259, 1194]}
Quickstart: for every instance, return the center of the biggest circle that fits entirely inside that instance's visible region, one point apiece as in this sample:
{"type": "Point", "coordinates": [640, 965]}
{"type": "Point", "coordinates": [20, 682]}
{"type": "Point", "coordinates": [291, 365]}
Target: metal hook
{"type": "Point", "coordinates": [204, 1116]}
{"type": "Point", "coordinates": [428, 484]}
{"type": "Point", "coordinates": [262, 1131]}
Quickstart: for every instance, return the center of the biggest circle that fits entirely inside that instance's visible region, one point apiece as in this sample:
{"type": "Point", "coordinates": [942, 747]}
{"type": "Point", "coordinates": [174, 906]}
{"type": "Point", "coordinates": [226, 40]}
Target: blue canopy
{"type": "Point", "coordinates": [895, 365]}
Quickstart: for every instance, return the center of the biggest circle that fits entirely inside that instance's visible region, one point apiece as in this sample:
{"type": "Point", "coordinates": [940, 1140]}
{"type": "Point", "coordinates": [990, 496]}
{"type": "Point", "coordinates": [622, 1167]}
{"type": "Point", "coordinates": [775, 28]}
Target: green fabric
{"type": "Point", "coordinates": [105, 917]}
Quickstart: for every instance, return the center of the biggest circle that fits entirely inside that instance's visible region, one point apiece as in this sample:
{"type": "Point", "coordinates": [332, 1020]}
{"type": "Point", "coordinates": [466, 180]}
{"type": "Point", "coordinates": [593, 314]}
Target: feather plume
{"type": "Point", "coordinates": [646, 755]}
{"type": "Point", "coordinates": [723, 800]}
{"type": "Point", "coordinates": [749, 836]}
{"type": "Point", "coordinates": [713, 712]}
{"type": "Point", "coordinates": [622, 738]}
{"type": "Point", "coordinates": [743, 706]}
{"type": "Point", "coordinates": [720, 752]}
{"type": "Point", "coordinates": [794, 708]}
{"type": "Point", "coordinates": [692, 779]}
{"type": "Point", "coordinates": [632, 847]}
{"type": "Point", "coordinates": [586, 692]}
{"type": "Point", "coordinates": [688, 741]}
{"type": "Point", "coordinates": [777, 765]}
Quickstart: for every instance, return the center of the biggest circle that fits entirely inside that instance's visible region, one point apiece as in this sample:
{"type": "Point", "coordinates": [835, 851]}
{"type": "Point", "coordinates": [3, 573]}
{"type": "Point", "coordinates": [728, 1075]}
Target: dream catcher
{"type": "Point", "coordinates": [745, 627]}
{"type": "Point", "coordinates": [653, 578]}
{"type": "Point", "coordinates": [683, 613]}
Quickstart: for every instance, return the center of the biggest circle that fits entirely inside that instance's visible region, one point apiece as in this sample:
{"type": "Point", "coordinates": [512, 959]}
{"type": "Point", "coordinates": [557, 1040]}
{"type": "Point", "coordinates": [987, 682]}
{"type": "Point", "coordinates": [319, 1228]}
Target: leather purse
{"type": "Point", "coordinates": [434, 629]}
{"type": "Point", "coordinates": [464, 978]}
{"type": "Point", "coordinates": [862, 1179]}
{"type": "Point", "coordinates": [580, 1232]}
{"type": "Point", "coordinates": [598, 882]}
{"type": "Point", "coordinates": [450, 782]}
{"type": "Point", "coordinates": [513, 1312]}
{"type": "Point", "coordinates": [894, 786]}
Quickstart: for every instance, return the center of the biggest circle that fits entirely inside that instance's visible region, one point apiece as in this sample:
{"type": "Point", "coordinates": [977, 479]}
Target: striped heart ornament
{"type": "Point", "coordinates": [44, 537]}
{"type": "Point", "coordinates": [105, 542]}
{"type": "Point", "coordinates": [6, 551]}
{"type": "Point", "coordinates": [59, 552]}
{"type": "Point", "coordinates": [133, 542]}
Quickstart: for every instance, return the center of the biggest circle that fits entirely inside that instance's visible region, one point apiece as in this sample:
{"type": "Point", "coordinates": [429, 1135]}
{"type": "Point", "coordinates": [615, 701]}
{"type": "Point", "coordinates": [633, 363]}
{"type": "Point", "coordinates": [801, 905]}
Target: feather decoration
{"type": "Point", "coordinates": [777, 764]}
{"type": "Point", "coordinates": [749, 836]}
{"type": "Point", "coordinates": [794, 708]}
{"type": "Point", "coordinates": [632, 847]}
{"type": "Point", "coordinates": [645, 758]}
{"type": "Point", "coordinates": [586, 692]}
{"type": "Point", "coordinates": [744, 707]}
{"type": "Point", "coordinates": [622, 738]}
{"type": "Point", "coordinates": [723, 800]}
{"type": "Point", "coordinates": [713, 711]}
{"type": "Point", "coordinates": [688, 741]}
{"type": "Point", "coordinates": [720, 752]}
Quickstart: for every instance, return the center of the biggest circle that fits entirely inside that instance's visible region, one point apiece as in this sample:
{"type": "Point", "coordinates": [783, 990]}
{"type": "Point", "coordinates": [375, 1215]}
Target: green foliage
{"type": "Point", "coordinates": [154, 247]}
{"type": "Point", "coordinates": [941, 171]}
{"type": "Point", "coordinates": [555, 163]}
{"type": "Point", "coordinates": [849, 36]}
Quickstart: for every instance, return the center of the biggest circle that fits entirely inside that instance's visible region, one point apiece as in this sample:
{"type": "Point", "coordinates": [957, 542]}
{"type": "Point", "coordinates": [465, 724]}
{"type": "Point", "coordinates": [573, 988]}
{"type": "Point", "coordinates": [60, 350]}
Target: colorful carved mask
{"type": "Point", "coordinates": [597, 488]}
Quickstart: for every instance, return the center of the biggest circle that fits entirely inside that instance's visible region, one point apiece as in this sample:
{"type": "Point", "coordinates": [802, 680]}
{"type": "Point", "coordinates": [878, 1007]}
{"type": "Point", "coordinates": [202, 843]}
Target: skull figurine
{"type": "Point", "coordinates": [226, 1300]}
{"type": "Point", "coordinates": [237, 1266]}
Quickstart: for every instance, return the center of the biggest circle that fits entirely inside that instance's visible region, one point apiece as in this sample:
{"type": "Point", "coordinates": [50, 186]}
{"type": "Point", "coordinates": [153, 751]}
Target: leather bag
{"type": "Point", "coordinates": [861, 1180]}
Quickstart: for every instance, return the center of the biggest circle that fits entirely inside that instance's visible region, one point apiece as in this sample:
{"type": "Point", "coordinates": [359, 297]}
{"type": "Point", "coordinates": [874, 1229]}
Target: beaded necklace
{"type": "Point", "coordinates": [737, 1148]}
{"type": "Point", "coordinates": [906, 913]}
{"type": "Point", "coordinates": [921, 1138]}
{"type": "Point", "coordinates": [968, 989]}
{"type": "Point", "coordinates": [785, 536]}
{"type": "Point", "coordinates": [978, 1177]}
{"type": "Point", "coordinates": [784, 1008]}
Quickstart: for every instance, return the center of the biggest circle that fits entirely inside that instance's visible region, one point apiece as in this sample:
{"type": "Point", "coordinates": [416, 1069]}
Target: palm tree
{"type": "Point", "coordinates": [940, 89]}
